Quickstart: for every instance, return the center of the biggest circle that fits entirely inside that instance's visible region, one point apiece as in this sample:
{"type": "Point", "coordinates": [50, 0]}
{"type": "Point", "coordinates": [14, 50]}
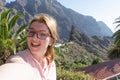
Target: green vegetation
{"type": "Point", "coordinates": [10, 39]}
{"type": "Point", "coordinates": [68, 75]}
{"type": "Point", "coordinates": [70, 57]}
{"type": "Point", "coordinates": [114, 51]}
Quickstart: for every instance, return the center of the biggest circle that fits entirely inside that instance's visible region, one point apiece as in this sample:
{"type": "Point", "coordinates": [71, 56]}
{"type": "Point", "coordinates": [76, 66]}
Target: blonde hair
{"type": "Point", "coordinates": [50, 22]}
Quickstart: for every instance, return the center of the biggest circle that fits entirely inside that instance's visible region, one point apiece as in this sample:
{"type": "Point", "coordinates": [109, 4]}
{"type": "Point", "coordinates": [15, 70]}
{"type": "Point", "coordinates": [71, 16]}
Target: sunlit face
{"type": "Point", "coordinates": [38, 38]}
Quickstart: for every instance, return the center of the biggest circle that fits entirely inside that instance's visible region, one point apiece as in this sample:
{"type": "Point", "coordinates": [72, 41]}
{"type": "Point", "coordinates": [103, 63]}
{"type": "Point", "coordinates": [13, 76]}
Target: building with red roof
{"type": "Point", "coordinates": [109, 70]}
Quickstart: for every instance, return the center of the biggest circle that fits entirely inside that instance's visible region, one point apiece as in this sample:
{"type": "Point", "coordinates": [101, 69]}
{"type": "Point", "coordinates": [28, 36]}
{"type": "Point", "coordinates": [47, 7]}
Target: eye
{"type": "Point", "coordinates": [30, 33]}
{"type": "Point", "coordinates": [42, 34]}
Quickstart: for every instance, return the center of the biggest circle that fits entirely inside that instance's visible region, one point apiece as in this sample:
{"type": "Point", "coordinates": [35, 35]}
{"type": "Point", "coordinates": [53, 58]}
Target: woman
{"type": "Point", "coordinates": [37, 62]}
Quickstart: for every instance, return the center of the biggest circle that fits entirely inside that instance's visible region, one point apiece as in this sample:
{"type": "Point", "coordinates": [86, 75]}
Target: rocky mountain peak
{"type": "Point", "coordinates": [2, 2]}
{"type": "Point", "coordinates": [65, 17]}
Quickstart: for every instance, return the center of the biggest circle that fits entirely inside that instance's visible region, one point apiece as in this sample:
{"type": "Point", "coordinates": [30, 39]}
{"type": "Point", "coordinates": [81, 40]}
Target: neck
{"type": "Point", "coordinates": [41, 60]}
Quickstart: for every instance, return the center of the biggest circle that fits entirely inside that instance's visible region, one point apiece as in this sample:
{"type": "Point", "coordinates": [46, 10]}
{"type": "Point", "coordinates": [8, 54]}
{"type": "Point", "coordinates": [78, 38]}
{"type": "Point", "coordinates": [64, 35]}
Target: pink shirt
{"type": "Point", "coordinates": [38, 73]}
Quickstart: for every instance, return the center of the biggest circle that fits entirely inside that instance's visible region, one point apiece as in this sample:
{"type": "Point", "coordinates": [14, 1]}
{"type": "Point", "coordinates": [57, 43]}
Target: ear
{"type": "Point", "coordinates": [51, 42]}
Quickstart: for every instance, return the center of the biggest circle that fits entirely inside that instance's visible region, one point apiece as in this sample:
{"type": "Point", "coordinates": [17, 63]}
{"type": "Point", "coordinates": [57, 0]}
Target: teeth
{"type": "Point", "coordinates": [35, 44]}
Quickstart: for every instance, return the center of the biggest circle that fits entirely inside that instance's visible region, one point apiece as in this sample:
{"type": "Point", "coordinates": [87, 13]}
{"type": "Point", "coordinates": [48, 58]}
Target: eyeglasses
{"type": "Point", "coordinates": [41, 34]}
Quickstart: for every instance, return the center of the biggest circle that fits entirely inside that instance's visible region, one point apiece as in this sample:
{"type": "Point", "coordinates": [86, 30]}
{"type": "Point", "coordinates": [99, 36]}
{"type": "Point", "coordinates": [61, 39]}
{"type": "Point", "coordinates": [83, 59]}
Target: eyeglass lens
{"type": "Point", "coordinates": [40, 34]}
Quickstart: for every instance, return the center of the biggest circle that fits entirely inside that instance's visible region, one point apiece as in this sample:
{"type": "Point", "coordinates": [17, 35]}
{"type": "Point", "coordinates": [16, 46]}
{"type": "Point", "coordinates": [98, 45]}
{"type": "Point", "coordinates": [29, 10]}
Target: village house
{"type": "Point", "coordinates": [109, 70]}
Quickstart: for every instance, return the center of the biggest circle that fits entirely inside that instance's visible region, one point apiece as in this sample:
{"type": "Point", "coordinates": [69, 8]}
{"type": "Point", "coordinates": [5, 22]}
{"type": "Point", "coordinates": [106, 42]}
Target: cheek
{"type": "Point", "coordinates": [46, 43]}
{"type": "Point", "coordinates": [28, 41]}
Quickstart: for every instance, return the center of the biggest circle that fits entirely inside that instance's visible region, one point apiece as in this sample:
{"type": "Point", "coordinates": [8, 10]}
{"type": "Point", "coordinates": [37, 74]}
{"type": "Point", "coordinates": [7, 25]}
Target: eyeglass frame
{"type": "Point", "coordinates": [37, 34]}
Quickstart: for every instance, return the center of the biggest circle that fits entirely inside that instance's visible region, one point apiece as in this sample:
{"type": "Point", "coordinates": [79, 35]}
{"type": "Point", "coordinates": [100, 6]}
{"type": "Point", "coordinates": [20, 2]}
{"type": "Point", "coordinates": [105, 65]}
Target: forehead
{"type": "Point", "coordinates": [37, 26]}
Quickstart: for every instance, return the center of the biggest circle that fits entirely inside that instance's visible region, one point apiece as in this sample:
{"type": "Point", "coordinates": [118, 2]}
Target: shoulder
{"type": "Point", "coordinates": [52, 64]}
{"type": "Point", "coordinates": [53, 71]}
{"type": "Point", "coordinates": [21, 72]}
{"type": "Point", "coordinates": [18, 58]}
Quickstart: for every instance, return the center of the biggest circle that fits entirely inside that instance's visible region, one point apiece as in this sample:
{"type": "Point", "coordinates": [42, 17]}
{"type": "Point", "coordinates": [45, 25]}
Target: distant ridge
{"type": "Point", "coordinates": [65, 17]}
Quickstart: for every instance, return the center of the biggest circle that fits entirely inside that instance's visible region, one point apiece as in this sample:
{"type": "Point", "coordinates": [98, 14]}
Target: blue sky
{"type": "Point", "coordinates": [102, 10]}
{"type": "Point", "coordinates": [10, 0]}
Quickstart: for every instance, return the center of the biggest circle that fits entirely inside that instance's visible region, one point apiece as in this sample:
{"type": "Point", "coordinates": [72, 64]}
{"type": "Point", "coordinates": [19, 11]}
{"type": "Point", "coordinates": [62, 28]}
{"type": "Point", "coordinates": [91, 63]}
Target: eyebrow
{"type": "Point", "coordinates": [32, 29]}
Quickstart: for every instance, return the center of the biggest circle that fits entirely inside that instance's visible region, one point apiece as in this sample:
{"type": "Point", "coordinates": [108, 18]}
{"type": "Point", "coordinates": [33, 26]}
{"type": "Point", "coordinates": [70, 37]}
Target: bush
{"type": "Point", "coordinates": [69, 75]}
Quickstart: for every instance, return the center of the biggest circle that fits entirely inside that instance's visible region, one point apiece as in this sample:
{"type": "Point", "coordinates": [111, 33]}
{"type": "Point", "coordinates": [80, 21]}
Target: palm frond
{"type": "Point", "coordinates": [117, 20]}
{"type": "Point", "coordinates": [117, 26]}
{"type": "Point", "coordinates": [9, 41]}
{"type": "Point", "coordinates": [117, 42]}
{"type": "Point", "coordinates": [13, 21]}
{"type": "Point", "coordinates": [4, 29]}
{"type": "Point", "coordinates": [10, 45]}
{"type": "Point", "coordinates": [114, 52]}
{"type": "Point", "coordinates": [5, 14]}
{"type": "Point", "coordinates": [19, 32]}
{"type": "Point", "coordinates": [23, 41]}
{"type": "Point", "coordinates": [117, 33]}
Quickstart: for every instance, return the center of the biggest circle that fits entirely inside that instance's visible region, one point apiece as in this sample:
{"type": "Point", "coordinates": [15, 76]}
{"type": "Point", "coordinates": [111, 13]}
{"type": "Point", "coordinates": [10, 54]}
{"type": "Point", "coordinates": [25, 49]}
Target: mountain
{"type": "Point", "coordinates": [104, 29]}
{"type": "Point", "coordinates": [2, 4]}
{"type": "Point", "coordinates": [65, 17]}
{"type": "Point", "coordinates": [95, 45]}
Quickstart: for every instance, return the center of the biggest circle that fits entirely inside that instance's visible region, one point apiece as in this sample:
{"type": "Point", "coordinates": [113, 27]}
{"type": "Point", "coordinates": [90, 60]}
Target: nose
{"type": "Point", "coordinates": [35, 36]}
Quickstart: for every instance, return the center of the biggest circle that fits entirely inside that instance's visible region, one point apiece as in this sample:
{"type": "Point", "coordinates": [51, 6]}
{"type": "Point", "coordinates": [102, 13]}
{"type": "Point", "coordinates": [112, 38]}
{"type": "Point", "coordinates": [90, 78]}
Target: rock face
{"type": "Point", "coordinates": [2, 4]}
{"type": "Point", "coordinates": [65, 17]}
{"type": "Point", "coordinates": [96, 45]}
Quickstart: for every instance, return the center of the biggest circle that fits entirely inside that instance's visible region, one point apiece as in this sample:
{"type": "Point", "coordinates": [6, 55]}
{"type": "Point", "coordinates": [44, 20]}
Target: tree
{"type": "Point", "coordinates": [116, 35]}
{"type": "Point", "coordinates": [9, 38]}
{"type": "Point", "coordinates": [114, 51]}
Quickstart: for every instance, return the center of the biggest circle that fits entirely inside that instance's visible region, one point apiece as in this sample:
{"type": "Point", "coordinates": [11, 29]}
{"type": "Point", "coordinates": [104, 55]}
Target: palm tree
{"type": "Point", "coordinates": [116, 35]}
{"type": "Point", "coordinates": [114, 51]}
{"type": "Point", "coordinates": [9, 38]}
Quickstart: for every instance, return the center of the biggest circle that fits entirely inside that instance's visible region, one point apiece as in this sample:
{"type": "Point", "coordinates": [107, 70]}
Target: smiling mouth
{"type": "Point", "coordinates": [35, 44]}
